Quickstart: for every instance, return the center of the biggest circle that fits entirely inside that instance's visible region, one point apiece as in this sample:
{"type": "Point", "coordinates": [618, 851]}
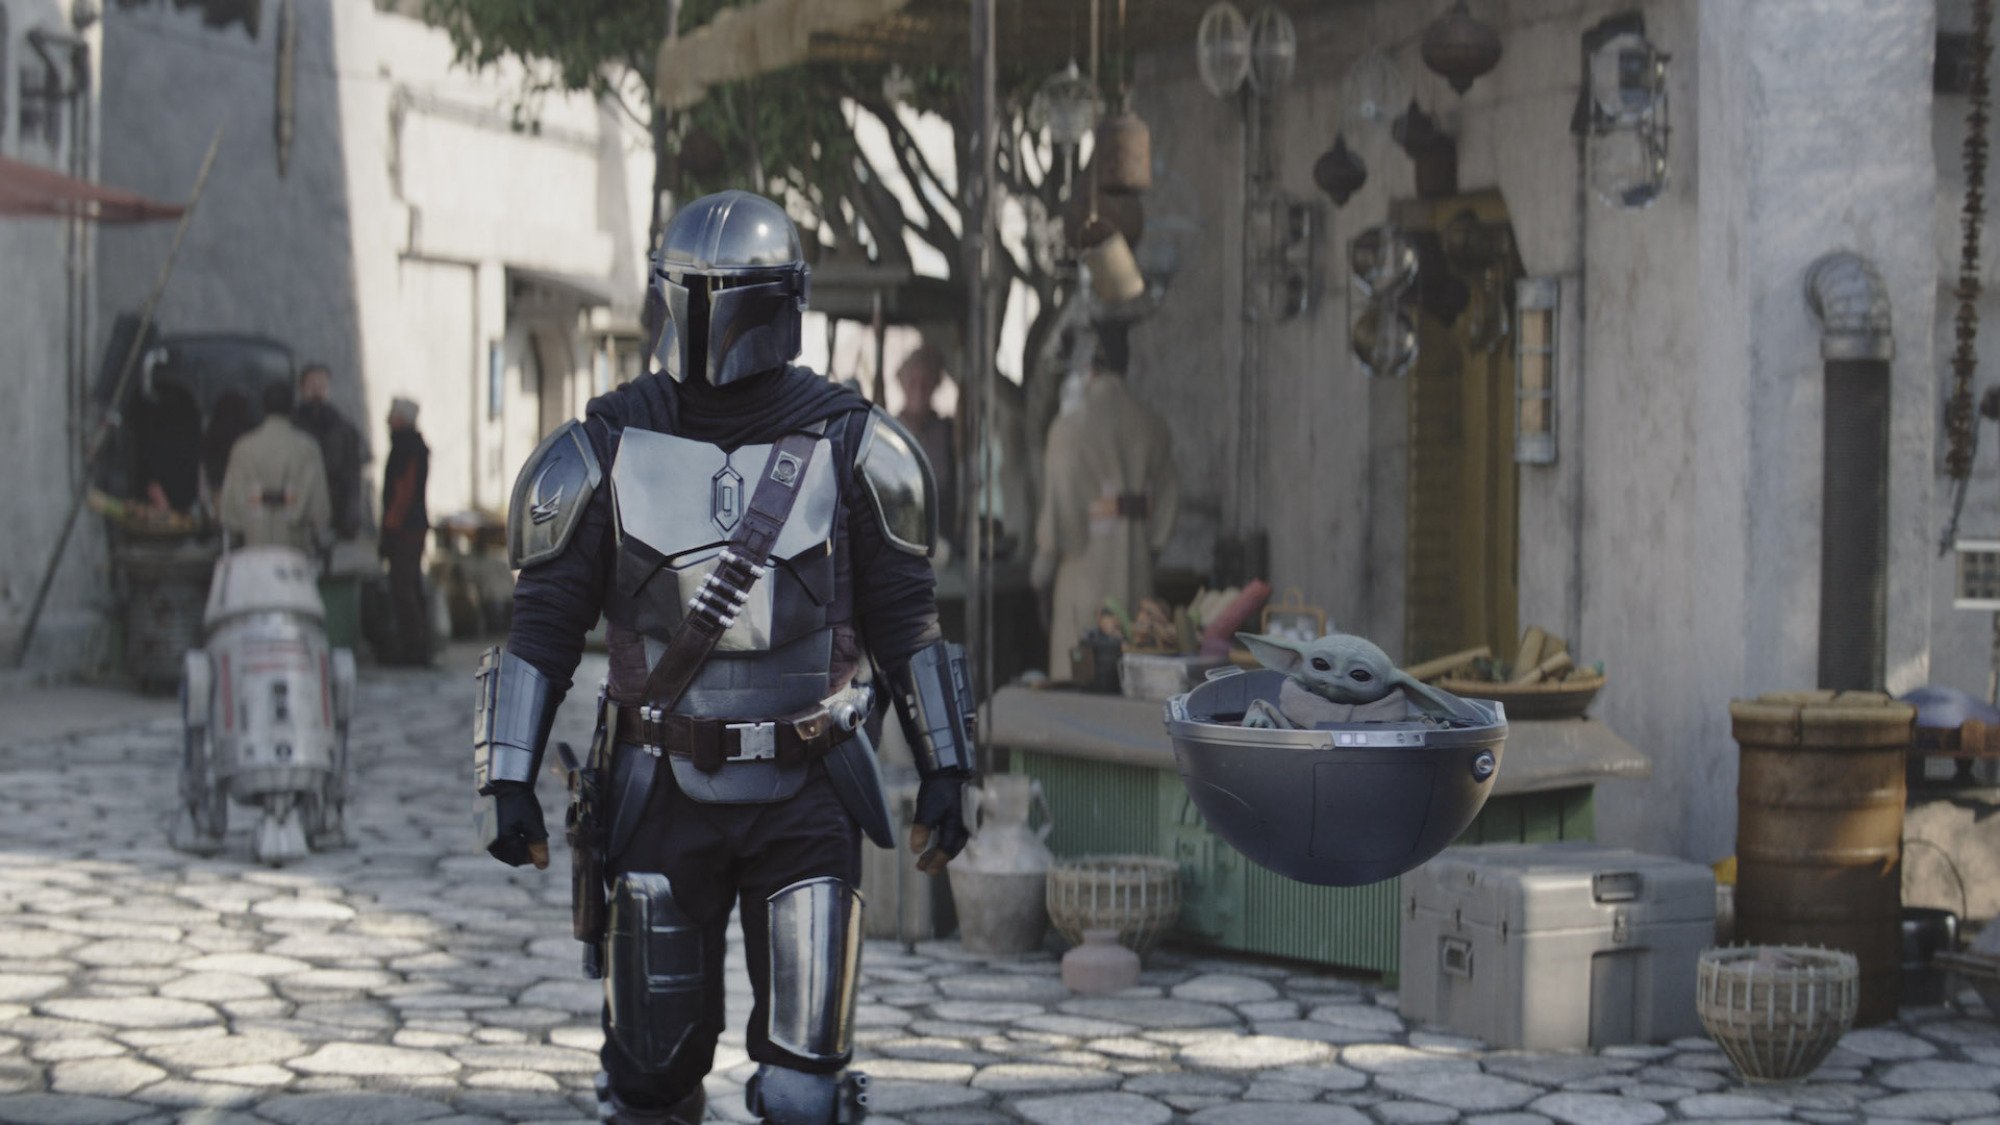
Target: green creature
{"type": "Point", "coordinates": [1345, 669]}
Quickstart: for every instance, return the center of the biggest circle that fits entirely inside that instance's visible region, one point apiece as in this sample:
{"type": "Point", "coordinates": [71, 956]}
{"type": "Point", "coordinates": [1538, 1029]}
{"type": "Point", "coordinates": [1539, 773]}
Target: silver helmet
{"type": "Point", "coordinates": [728, 291]}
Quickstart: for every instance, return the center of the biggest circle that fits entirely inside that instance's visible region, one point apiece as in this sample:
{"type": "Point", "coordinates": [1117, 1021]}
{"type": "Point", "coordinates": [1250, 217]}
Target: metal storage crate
{"type": "Point", "coordinates": [1555, 946]}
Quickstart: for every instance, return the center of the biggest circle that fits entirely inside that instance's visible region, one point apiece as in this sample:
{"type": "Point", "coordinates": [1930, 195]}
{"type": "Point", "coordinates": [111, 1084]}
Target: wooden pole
{"type": "Point", "coordinates": [110, 419]}
{"type": "Point", "coordinates": [980, 369]}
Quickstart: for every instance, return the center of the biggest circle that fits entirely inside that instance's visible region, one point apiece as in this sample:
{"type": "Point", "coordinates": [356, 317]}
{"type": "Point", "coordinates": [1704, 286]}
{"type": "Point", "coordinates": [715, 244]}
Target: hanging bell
{"type": "Point", "coordinates": [1459, 48]}
{"type": "Point", "coordinates": [1339, 172]}
{"type": "Point", "coordinates": [1114, 272]}
{"type": "Point", "coordinates": [1124, 152]}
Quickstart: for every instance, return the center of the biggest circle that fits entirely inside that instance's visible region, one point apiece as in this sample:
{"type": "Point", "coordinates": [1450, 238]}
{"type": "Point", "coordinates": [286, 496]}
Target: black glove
{"type": "Point", "coordinates": [518, 834]}
{"type": "Point", "coordinates": [937, 831]}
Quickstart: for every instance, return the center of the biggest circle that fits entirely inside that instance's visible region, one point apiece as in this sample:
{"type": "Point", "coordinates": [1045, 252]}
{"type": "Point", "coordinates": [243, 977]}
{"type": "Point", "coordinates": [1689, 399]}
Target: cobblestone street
{"type": "Point", "coordinates": [409, 979]}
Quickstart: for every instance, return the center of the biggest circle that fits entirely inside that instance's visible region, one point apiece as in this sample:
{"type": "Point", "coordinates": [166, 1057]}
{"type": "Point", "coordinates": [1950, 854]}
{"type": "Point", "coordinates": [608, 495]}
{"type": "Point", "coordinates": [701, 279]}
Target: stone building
{"type": "Point", "coordinates": [1676, 533]}
{"type": "Point", "coordinates": [424, 229]}
{"type": "Point", "coordinates": [49, 55]}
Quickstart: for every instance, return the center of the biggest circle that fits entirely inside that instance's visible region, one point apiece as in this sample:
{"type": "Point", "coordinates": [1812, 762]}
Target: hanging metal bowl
{"type": "Point", "coordinates": [1336, 805]}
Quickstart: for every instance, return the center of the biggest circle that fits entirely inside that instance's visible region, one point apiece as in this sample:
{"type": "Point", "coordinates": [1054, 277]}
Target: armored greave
{"type": "Point", "coordinates": [792, 866]}
{"type": "Point", "coordinates": [813, 931]}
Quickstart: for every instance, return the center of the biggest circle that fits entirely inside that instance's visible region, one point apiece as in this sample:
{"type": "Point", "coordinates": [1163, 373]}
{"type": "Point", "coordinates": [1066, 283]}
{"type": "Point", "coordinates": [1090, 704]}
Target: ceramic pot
{"type": "Point", "coordinates": [999, 883]}
{"type": "Point", "coordinates": [1100, 964]}
{"type": "Point", "coordinates": [1114, 272]}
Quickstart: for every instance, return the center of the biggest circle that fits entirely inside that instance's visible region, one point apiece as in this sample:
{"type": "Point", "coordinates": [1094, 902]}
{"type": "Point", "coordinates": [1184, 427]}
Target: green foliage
{"type": "Point", "coordinates": [583, 44]}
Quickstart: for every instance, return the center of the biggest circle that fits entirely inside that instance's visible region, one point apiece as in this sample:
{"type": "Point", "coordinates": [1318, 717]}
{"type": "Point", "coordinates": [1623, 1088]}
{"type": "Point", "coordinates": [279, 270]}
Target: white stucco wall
{"type": "Point", "coordinates": [39, 428]}
{"type": "Point", "coordinates": [385, 248]}
{"type": "Point", "coordinates": [1962, 641]}
{"type": "Point", "coordinates": [1677, 537]}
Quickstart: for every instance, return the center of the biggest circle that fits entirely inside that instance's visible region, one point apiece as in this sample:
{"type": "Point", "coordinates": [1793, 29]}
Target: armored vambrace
{"type": "Point", "coordinates": [933, 694]}
{"type": "Point", "coordinates": [511, 720]}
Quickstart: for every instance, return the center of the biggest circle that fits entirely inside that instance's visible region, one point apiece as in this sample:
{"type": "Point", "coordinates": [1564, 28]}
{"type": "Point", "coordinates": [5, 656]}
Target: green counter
{"type": "Point", "coordinates": [1108, 771]}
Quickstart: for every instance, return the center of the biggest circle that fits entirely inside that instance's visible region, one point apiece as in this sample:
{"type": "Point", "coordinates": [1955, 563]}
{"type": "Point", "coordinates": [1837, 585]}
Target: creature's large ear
{"type": "Point", "coordinates": [1441, 704]}
{"type": "Point", "coordinates": [1274, 652]}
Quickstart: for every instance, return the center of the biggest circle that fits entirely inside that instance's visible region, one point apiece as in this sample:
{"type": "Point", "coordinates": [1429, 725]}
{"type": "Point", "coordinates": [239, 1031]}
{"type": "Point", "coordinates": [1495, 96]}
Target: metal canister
{"type": "Point", "coordinates": [1819, 829]}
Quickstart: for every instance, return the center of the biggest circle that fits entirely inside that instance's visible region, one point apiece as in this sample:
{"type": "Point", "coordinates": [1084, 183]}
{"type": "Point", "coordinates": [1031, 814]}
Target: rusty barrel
{"type": "Point", "coordinates": [1819, 829]}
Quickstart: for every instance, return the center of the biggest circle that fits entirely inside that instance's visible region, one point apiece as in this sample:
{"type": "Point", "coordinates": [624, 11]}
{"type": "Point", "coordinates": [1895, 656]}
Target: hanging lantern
{"type": "Point", "coordinates": [1373, 91]}
{"type": "Point", "coordinates": [1274, 50]}
{"type": "Point", "coordinates": [1460, 48]}
{"type": "Point", "coordinates": [1124, 152]}
{"type": "Point", "coordinates": [1625, 117]}
{"type": "Point", "coordinates": [1222, 49]}
{"type": "Point", "coordinates": [1339, 172]}
{"type": "Point", "coordinates": [1066, 105]}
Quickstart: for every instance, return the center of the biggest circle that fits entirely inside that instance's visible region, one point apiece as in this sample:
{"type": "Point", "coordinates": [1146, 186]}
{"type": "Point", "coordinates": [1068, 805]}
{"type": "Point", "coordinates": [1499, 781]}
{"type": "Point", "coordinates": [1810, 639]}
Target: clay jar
{"type": "Point", "coordinates": [1100, 964]}
{"type": "Point", "coordinates": [999, 883]}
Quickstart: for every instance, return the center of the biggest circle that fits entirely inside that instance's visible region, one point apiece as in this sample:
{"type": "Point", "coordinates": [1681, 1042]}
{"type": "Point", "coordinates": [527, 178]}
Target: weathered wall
{"type": "Point", "coordinates": [1676, 538]}
{"type": "Point", "coordinates": [39, 428]}
{"type": "Point", "coordinates": [1961, 640]}
{"type": "Point", "coordinates": [385, 248]}
{"type": "Point", "coordinates": [265, 253]}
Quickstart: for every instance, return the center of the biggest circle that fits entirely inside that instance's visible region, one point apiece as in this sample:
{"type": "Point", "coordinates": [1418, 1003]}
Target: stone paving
{"type": "Point", "coordinates": [410, 980]}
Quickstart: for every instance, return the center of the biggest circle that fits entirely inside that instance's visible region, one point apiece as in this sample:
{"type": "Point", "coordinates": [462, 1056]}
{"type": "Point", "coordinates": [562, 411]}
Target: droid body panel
{"type": "Point", "coordinates": [265, 705]}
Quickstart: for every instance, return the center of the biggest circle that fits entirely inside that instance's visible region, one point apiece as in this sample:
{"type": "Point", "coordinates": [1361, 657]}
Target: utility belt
{"type": "Point", "coordinates": [711, 744]}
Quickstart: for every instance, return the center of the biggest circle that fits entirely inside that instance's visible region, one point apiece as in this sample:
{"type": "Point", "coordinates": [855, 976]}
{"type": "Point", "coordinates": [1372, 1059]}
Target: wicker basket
{"type": "Point", "coordinates": [1777, 1021]}
{"type": "Point", "coordinates": [1547, 699]}
{"type": "Point", "coordinates": [1137, 895]}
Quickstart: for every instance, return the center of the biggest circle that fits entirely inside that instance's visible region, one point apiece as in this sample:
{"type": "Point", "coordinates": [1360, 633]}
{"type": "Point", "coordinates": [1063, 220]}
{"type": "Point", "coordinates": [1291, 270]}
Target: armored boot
{"type": "Point", "coordinates": [782, 1096]}
{"type": "Point", "coordinates": [611, 1111]}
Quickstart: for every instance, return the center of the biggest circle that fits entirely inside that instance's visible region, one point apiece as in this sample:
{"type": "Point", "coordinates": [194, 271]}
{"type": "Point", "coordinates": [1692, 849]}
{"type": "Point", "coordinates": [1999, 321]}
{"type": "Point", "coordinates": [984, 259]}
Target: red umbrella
{"type": "Point", "coordinates": [31, 190]}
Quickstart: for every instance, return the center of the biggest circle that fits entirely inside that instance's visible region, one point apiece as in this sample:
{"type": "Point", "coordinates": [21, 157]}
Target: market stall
{"type": "Point", "coordinates": [1112, 785]}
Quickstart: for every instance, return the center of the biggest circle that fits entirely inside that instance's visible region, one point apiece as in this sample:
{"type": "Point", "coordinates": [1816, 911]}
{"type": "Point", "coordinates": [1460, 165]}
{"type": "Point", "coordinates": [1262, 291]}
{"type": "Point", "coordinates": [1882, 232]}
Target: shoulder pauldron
{"type": "Point", "coordinates": [899, 485]}
{"type": "Point", "coordinates": [550, 495]}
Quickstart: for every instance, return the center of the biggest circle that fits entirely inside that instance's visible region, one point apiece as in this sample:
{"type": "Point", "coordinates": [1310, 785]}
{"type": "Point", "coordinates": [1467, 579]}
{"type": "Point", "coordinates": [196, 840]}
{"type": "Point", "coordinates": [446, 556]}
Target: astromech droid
{"type": "Point", "coordinates": [264, 709]}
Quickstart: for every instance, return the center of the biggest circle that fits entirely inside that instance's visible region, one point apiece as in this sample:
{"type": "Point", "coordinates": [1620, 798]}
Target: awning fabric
{"type": "Point", "coordinates": [31, 190]}
{"type": "Point", "coordinates": [753, 39]}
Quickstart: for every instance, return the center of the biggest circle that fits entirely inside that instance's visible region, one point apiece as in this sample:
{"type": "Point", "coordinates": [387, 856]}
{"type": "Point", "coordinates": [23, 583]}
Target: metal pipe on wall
{"type": "Point", "coordinates": [1852, 303]}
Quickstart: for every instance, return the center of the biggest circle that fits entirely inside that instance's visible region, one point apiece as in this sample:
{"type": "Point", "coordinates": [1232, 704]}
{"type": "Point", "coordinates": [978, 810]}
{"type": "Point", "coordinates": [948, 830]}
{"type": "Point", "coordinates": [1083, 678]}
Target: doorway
{"type": "Point", "coordinates": [1461, 586]}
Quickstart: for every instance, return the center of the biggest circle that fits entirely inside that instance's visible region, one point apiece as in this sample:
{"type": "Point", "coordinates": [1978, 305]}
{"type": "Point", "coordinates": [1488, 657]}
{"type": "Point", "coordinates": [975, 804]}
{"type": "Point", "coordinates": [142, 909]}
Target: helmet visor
{"type": "Point", "coordinates": [682, 346]}
{"type": "Point", "coordinates": [753, 327]}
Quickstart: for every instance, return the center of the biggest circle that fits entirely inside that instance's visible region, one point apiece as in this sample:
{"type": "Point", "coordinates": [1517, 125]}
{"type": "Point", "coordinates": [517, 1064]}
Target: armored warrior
{"type": "Point", "coordinates": [756, 539]}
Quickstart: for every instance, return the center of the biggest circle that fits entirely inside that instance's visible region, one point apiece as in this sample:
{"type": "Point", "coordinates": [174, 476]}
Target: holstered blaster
{"type": "Point", "coordinates": [584, 826]}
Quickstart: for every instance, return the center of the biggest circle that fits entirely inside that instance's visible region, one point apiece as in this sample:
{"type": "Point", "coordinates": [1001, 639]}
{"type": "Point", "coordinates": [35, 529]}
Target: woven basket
{"type": "Point", "coordinates": [1777, 1023]}
{"type": "Point", "coordinates": [1137, 895]}
{"type": "Point", "coordinates": [1547, 699]}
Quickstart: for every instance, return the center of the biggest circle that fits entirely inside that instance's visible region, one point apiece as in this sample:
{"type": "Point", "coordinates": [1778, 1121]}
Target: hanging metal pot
{"type": "Point", "coordinates": [1339, 172]}
{"type": "Point", "coordinates": [1124, 153]}
{"type": "Point", "coordinates": [1114, 272]}
{"type": "Point", "coordinates": [1460, 48]}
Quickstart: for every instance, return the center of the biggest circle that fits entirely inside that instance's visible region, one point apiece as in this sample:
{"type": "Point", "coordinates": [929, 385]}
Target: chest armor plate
{"type": "Point", "coordinates": [678, 501]}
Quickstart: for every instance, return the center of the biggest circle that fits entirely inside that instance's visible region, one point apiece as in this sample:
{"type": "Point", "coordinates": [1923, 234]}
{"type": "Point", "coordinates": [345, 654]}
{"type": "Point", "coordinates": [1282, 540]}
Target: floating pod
{"type": "Point", "coordinates": [1335, 805]}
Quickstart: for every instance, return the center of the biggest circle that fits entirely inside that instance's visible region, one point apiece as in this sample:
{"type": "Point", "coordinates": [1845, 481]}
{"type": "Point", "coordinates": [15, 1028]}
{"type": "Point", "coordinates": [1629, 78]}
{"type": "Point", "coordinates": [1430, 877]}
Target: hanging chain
{"type": "Point", "coordinates": [1959, 416]}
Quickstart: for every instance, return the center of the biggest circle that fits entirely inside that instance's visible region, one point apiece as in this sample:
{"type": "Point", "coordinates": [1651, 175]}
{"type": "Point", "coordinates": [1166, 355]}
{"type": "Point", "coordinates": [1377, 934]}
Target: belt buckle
{"type": "Point", "coordinates": [756, 742]}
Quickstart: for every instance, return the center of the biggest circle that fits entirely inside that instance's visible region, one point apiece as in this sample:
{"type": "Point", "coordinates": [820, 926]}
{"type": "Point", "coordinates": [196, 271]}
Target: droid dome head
{"type": "Point", "coordinates": [728, 290]}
